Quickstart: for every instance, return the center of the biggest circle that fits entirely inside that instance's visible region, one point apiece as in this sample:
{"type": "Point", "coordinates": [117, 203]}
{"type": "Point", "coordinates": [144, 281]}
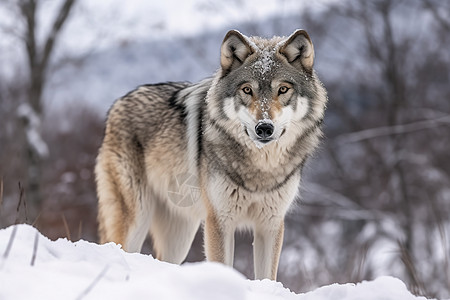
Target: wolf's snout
{"type": "Point", "coordinates": [264, 130]}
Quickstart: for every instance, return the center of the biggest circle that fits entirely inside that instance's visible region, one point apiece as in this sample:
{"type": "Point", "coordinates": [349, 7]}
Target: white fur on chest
{"type": "Point", "coordinates": [245, 208]}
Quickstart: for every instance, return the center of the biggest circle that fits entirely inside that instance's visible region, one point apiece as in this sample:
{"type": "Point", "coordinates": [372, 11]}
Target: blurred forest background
{"type": "Point", "coordinates": [376, 198]}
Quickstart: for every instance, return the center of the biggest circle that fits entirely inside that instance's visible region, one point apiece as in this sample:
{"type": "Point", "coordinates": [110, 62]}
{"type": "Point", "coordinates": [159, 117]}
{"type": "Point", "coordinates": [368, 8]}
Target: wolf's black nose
{"type": "Point", "coordinates": [264, 130]}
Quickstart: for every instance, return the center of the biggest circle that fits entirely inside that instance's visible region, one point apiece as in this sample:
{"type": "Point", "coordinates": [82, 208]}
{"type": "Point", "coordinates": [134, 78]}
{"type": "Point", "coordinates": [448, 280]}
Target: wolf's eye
{"type": "Point", "coordinates": [247, 90]}
{"type": "Point", "coordinates": [283, 90]}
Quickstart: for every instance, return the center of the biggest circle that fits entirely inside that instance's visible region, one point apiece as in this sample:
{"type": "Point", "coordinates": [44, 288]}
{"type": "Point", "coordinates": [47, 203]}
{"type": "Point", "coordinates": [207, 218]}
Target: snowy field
{"type": "Point", "coordinates": [33, 267]}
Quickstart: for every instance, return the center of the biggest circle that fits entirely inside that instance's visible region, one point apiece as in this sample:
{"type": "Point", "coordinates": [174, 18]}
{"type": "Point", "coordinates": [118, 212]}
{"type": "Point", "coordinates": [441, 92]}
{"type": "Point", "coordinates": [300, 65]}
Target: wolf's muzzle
{"type": "Point", "coordinates": [264, 130]}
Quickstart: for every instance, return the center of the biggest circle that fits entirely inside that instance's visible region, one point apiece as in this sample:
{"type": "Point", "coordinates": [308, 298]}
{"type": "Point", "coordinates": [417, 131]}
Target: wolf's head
{"type": "Point", "coordinates": [266, 88]}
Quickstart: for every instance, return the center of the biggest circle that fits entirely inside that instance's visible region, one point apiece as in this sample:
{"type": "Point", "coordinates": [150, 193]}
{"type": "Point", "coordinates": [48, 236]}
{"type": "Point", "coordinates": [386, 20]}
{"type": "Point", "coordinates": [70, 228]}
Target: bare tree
{"type": "Point", "coordinates": [39, 56]}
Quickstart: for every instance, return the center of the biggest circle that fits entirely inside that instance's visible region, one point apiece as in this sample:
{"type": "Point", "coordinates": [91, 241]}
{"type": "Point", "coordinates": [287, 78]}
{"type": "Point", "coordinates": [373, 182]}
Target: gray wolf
{"type": "Point", "coordinates": [243, 134]}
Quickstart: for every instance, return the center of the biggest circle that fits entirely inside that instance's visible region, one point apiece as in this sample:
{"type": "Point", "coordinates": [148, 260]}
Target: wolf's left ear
{"type": "Point", "coordinates": [235, 49]}
{"type": "Point", "coordinates": [299, 50]}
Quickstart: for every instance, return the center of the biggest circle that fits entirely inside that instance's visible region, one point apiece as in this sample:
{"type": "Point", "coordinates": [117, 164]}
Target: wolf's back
{"type": "Point", "coordinates": [139, 116]}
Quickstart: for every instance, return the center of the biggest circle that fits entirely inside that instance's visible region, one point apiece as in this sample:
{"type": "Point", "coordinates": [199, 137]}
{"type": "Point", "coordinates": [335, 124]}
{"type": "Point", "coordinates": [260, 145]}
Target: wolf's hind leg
{"type": "Point", "coordinates": [123, 226]}
{"type": "Point", "coordinates": [123, 212]}
{"type": "Point", "coordinates": [172, 233]}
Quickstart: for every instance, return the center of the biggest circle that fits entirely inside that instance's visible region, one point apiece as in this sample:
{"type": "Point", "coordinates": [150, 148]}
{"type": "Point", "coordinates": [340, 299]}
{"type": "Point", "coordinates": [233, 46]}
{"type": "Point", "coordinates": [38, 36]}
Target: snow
{"type": "Point", "coordinates": [265, 63]}
{"type": "Point", "coordinates": [33, 267]}
{"type": "Point", "coordinates": [32, 126]}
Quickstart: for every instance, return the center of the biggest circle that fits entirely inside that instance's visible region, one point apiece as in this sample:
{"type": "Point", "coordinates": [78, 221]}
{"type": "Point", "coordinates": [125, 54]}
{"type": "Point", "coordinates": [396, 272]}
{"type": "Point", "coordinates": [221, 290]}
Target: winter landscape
{"type": "Point", "coordinates": [373, 217]}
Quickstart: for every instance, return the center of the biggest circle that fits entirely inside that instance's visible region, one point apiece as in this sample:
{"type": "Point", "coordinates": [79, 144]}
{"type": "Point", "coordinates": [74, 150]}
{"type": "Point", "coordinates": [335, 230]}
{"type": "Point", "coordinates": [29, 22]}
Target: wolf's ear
{"type": "Point", "coordinates": [299, 50]}
{"type": "Point", "coordinates": [235, 49]}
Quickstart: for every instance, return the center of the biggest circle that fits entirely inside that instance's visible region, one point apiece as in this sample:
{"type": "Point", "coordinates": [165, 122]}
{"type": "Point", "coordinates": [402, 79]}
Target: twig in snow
{"type": "Point", "coordinates": [9, 246]}
{"type": "Point", "coordinates": [93, 283]}
{"type": "Point", "coordinates": [66, 227]}
{"type": "Point", "coordinates": [35, 247]}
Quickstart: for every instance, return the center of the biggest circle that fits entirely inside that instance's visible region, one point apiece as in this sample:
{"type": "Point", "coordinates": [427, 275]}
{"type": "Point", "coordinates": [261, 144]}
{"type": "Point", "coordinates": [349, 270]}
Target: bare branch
{"type": "Point", "coordinates": [28, 10]}
{"type": "Point", "coordinates": [434, 10]}
{"type": "Point", "coordinates": [54, 33]}
{"type": "Point", "coordinates": [1, 193]}
{"type": "Point", "coordinates": [343, 206]}
{"type": "Point", "coordinates": [21, 192]}
{"type": "Point", "coordinates": [390, 130]}
{"type": "Point", "coordinates": [418, 286]}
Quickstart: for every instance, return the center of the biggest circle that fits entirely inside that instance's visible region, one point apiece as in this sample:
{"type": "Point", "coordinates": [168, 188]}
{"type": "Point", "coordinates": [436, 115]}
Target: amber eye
{"type": "Point", "coordinates": [247, 90]}
{"type": "Point", "coordinates": [283, 90]}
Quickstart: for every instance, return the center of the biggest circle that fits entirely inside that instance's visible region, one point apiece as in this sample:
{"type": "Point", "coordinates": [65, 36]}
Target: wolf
{"type": "Point", "coordinates": [243, 135]}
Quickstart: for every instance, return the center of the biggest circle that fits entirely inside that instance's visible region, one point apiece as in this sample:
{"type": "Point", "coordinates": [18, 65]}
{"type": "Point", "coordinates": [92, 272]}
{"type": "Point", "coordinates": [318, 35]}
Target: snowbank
{"type": "Point", "coordinates": [33, 267]}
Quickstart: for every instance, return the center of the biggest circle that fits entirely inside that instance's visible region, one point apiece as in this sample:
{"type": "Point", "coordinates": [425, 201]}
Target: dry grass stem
{"type": "Point", "coordinates": [1, 193]}
{"type": "Point", "coordinates": [21, 199]}
{"type": "Point", "coordinates": [37, 219]}
{"type": "Point", "coordinates": [80, 230]}
{"type": "Point", "coordinates": [417, 285]}
{"type": "Point", "coordinates": [66, 228]}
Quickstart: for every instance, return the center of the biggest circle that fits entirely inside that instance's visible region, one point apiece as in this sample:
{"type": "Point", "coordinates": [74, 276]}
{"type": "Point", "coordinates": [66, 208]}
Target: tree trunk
{"type": "Point", "coordinates": [31, 115]}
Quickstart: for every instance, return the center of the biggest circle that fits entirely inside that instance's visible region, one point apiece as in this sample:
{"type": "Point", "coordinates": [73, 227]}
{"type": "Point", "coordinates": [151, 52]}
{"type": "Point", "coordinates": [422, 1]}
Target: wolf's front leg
{"type": "Point", "coordinates": [219, 239]}
{"type": "Point", "coordinates": [267, 248]}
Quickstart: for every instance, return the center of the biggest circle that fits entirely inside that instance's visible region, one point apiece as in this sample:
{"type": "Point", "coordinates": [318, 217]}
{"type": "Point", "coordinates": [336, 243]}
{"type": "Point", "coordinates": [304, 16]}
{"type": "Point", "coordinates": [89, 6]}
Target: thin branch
{"type": "Point", "coordinates": [335, 197]}
{"type": "Point", "coordinates": [37, 219]}
{"type": "Point", "coordinates": [12, 31]}
{"type": "Point", "coordinates": [56, 29]}
{"type": "Point", "coordinates": [28, 10]}
{"type": "Point", "coordinates": [26, 209]}
{"type": "Point", "coordinates": [434, 10]}
{"type": "Point", "coordinates": [21, 192]}
{"type": "Point", "coordinates": [418, 286]}
{"type": "Point", "coordinates": [1, 193]}
{"type": "Point", "coordinates": [342, 206]}
{"type": "Point", "coordinates": [390, 130]}
{"type": "Point", "coordinates": [80, 229]}
{"type": "Point", "coordinates": [437, 216]}
{"type": "Point", "coordinates": [356, 125]}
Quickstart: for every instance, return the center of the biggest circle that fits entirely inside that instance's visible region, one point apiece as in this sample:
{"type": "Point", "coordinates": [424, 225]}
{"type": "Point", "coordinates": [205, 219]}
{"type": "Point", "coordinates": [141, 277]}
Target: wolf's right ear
{"type": "Point", "coordinates": [299, 50]}
{"type": "Point", "coordinates": [235, 49]}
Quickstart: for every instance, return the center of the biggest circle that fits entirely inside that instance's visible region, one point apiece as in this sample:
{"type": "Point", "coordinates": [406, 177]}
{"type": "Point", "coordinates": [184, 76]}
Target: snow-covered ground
{"type": "Point", "coordinates": [33, 267]}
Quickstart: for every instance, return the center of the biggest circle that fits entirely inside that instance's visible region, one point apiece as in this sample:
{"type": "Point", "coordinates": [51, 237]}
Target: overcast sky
{"type": "Point", "coordinates": [168, 17]}
{"type": "Point", "coordinates": [124, 21]}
